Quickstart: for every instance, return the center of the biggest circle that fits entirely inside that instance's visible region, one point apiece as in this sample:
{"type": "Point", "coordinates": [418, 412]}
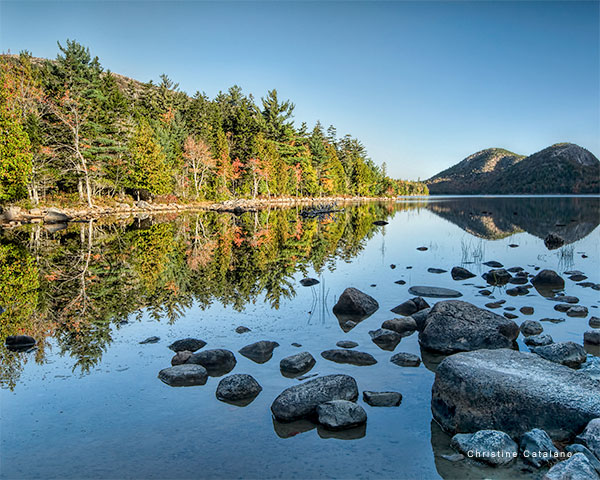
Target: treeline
{"type": "Point", "coordinates": [70, 127]}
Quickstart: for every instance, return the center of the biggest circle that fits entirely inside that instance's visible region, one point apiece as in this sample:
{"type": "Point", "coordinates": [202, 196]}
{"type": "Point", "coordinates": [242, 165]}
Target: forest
{"type": "Point", "coordinates": [75, 131]}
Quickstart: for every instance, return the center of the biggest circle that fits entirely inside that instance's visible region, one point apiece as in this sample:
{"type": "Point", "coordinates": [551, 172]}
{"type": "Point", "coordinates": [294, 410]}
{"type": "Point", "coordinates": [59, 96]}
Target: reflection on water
{"type": "Point", "coordinates": [572, 218]}
{"type": "Point", "coordinates": [90, 292]}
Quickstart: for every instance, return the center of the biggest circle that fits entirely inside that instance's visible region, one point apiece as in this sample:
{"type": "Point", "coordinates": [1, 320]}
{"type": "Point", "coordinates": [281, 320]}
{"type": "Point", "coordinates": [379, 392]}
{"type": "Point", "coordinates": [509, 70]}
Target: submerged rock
{"type": "Point", "coordinates": [17, 343]}
{"type": "Point", "coordinates": [460, 273]}
{"type": "Point", "coordinates": [434, 292]}
{"type": "Point", "coordinates": [309, 282]}
{"type": "Point", "coordinates": [340, 414]}
{"type": "Point", "coordinates": [436, 270]}
{"type": "Point", "coordinates": [410, 306]}
{"type": "Point", "coordinates": [457, 326]}
{"type": "Point", "coordinates": [183, 375]}
{"type": "Point", "coordinates": [301, 401]}
{"type": "Point", "coordinates": [566, 353]}
{"type": "Point", "coordinates": [577, 311]}
{"type": "Point", "coordinates": [592, 337]}
{"type": "Point", "coordinates": [242, 329]}
{"type": "Point", "coordinates": [259, 352]}
{"type": "Point", "coordinates": [565, 299]}
{"type": "Point", "coordinates": [404, 359]}
{"type": "Point", "coordinates": [578, 467]}
{"type": "Point", "coordinates": [487, 446]}
{"type": "Point", "coordinates": [382, 399]}
{"type": "Point", "coordinates": [349, 356]}
{"type": "Point", "coordinates": [346, 344]}
{"type": "Point", "coordinates": [594, 322]}
{"type": "Point", "coordinates": [189, 344]}
{"type": "Point", "coordinates": [217, 362]}
{"type": "Point", "coordinates": [493, 264]}
{"type": "Point", "coordinates": [537, 448]}
{"type": "Point", "coordinates": [239, 386]}
{"type": "Point", "coordinates": [150, 340]}
{"type": "Point", "coordinates": [297, 364]}
{"type": "Point", "coordinates": [514, 392]}
{"type": "Point", "coordinates": [354, 302]}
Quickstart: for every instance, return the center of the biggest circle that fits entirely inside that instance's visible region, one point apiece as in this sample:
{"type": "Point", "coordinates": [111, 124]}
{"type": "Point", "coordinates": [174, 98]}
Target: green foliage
{"type": "Point", "coordinates": [149, 168]}
{"type": "Point", "coordinates": [15, 157]}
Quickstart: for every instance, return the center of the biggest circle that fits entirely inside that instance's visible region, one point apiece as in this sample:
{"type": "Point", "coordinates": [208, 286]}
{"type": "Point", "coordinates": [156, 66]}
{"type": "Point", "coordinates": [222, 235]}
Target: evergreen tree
{"type": "Point", "coordinates": [15, 157]}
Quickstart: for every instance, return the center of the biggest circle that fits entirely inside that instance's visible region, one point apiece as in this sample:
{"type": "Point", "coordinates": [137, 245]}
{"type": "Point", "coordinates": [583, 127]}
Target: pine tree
{"type": "Point", "coordinates": [148, 165]}
{"type": "Point", "coordinates": [15, 157]}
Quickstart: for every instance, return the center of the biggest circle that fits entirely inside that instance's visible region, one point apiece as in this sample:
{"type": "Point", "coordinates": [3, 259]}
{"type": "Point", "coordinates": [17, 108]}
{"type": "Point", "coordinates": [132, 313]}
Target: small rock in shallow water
{"type": "Point", "coordinates": [434, 292]}
{"type": "Point", "coordinates": [217, 362]}
{"type": "Point", "coordinates": [497, 304]}
{"type": "Point", "coordinates": [392, 266]}
{"type": "Point", "coordinates": [562, 307]}
{"type": "Point", "coordinates": [538, 340]}
{"type": "Point", "coordinates": [410, 306]}
{"type": "Point", "coordinates": [403, 326]}
{"type": "Point", "coordinates": [460, 273]}
{"type": "Point", "coordinates": [242, 329]}
{"type": "Point", "coordinates": [520, 290]}
{"type": "Point", "coordinates": [570, 354]}
{"type": "Point", "coordinates": [150, 340]}
{"type": "Point", "coordinates": [309, 282]}
{"type": "Point", "coordinates": [340, 414]}
{"type": "Point", "coordinates": [237, 387]}
{"type": "Point", "coordinates": [297, 345]}
{"type": "Point", "coordinates": [518, 280]}
{"type": "Point", "coordinates": [592, 337]}
{"type": "Point", "coordinates": [577, 278]}
{"type": "Point", "coordinates": [577, 311]}
{"type": "Point", "coordinates": [183, 375]}
{"type": "Point", "coordinates": [181, 357]}
{"type": "Point", "coordinates": [526, 310]}
{"type": "Point", "coordinates": [422, 249]}
{"type": "Point", "coordinates": [488, 446]}
{"type": "Point", "coordinates": [553, 241]}
{"type": "Point", "coordinates": [546, 282]}
{"type": "Point", "coordinates": [354, 302]}
{"type": "Point", "coordinates": [385, 339]}
{"type": "Point", "coordinates": [510, 316]}
{"type": "Point", "coordinates": [259, 352]}
{"type": "Point", "coordinates": [189, 344]}
{"type": "Point", "coordinates": [497, 277]}
{"type": "Point", "coordinates": [552, 320]}
{"type": "Point", "coordinates": [578, 467]}
{"type": "Point", "coordinates": [565, 299]}
{"type": "Point", "coordinates": [404, 359]}
{"type": "Point", "coordinates": [382, 399]}
{"type": "Point", "coordinates": [349, 356]}
{"type": "Point", "coordinates": [493, 264]}
{"type": "Point", "coordinates": [485, 293]}
{"type": "Point", "coordinates": [594, 322]}
{"type": "Point", "coordinates": [400, 282]}
{"type": "Point", "coordinates": [297, 364]}
{"type": "Point", "coordinates": [515, 269]}
{"type": "Point", "coordinates": [346, 344]}
{"type": "Point", "coordinates": [531, 327]}
{"type": "Point", "coordinates": [537, 448]}
{"type": "Point", "coordinates": [436, 270]}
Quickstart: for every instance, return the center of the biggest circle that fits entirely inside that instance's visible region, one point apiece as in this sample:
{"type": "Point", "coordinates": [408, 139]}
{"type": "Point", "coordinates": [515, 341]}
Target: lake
{"type": "Point", "coordinates": [87, 402]}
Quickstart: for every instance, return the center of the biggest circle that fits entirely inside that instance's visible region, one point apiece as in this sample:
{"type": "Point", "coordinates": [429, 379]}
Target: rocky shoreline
{"type": "Point", "coordinates": [14, 216]}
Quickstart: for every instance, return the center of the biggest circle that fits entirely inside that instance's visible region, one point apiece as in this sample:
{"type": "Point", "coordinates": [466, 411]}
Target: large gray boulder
{"type": "Point", "coordinates": [340, 414]}
{"type": "Point", "coordinates": [513, 392]}
{"type": "Point", "coordinates": [217, 362]}
{"type": "Point", "coordinates": [486, 446]}
{"type": "Point", "coordinates": [570, 354]}
{"type": "Point", "coordinates": [577, 448]}
{"type": "Point", "coordinates": [456, 326]}
{"type": "Point", "coordinates": [591, 435]}
{"type": "Point", "coordinates": [301, 401]}
{"type": "Point", "coordinates": [578, 467]}
{"type": "Point", "coordinates": [54, 215]}
{"type": "Point", "coordinates": [183, 375]}
{"type": "Point", "coordinates": [239, 386]}
{"type": "Point", "coordinates": [354, 302]}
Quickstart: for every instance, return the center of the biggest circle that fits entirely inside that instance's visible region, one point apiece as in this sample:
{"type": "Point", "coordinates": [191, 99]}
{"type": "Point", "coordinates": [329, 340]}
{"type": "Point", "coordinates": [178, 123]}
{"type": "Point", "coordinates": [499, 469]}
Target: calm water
{"type": "Point", "coordinates": [87, 403]}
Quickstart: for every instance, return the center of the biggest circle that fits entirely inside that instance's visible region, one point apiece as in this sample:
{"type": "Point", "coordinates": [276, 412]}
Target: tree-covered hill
{"type": "Point", "coordinates": [71, 128]}
{"type": "Point", "coordinates": [560, 168]}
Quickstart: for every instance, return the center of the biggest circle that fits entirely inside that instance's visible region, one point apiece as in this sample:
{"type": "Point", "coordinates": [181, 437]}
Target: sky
{"type": "Point", "coordinates": [421, 84]}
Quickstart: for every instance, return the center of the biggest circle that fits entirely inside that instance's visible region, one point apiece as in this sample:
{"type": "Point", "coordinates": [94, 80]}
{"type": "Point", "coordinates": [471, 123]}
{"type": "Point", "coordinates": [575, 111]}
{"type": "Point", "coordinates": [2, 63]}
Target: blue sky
{"type": "Point", "coordinates": [421, 84]}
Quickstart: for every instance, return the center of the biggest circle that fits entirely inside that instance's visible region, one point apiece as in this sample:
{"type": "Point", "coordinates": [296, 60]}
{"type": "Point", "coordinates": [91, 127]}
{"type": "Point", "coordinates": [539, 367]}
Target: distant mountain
{"type": "Point", "coordinates": [561, 168]}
